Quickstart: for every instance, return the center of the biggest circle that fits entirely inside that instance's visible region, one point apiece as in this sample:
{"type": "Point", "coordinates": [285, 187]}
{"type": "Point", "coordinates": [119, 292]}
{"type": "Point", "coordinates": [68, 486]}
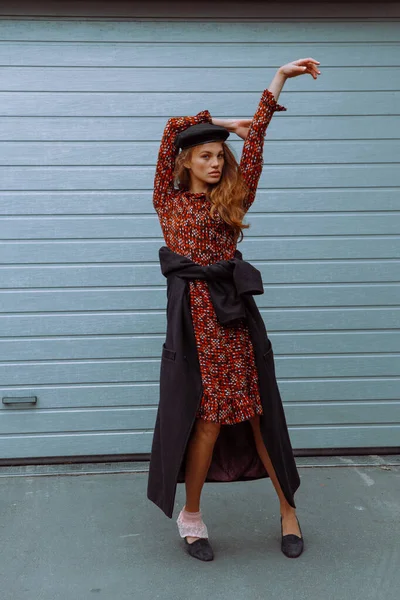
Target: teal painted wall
{"type": "Point", "coordinates": [82, 299]}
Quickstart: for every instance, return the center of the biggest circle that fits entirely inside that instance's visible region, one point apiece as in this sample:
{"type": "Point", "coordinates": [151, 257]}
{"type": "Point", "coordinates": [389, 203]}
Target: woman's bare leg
{"type": "Point", "coordinates": [198, 460]}
{"type": "Point", "coordinates": [289, 521]}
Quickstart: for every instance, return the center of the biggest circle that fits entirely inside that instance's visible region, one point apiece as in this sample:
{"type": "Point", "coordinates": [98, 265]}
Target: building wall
{"type": "Point", "coordinates": [86, 89]}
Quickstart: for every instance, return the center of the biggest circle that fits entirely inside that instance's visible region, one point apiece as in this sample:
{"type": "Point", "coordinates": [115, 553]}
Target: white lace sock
{"type": "Point", "coordinates": [191, 523]}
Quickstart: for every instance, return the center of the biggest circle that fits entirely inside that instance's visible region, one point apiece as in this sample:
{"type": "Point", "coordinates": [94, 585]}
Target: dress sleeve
{"type": "Point", "coordinates": [251, 161]}
{"type": "Point", "coordinates": [164, 181]}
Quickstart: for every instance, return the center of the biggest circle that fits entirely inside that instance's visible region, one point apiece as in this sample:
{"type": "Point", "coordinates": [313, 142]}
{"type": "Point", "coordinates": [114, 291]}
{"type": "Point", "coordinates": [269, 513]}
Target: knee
{"type": "Point", "coordinates": [255, 424]}
{"type": "Point", "coordinates": [207, 430]}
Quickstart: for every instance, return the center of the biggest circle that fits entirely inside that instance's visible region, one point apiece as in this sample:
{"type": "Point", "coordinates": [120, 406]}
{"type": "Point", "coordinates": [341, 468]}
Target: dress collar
{"type": "Point", "coordinates": [195, 195]}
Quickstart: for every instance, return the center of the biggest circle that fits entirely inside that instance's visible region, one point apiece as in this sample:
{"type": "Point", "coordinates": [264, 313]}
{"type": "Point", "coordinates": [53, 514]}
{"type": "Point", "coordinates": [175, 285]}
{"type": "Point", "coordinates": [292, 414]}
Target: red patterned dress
{"type": "Point", "coordinates": [227, 364]}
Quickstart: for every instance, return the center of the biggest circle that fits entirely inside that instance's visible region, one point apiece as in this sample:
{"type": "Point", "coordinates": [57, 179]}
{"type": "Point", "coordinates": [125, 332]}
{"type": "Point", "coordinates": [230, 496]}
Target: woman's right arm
{"type": "Point", "coordinates": [164, 177]}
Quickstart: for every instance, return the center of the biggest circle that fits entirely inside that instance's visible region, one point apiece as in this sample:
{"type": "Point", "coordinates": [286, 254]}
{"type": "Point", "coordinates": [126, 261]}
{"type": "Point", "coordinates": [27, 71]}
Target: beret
{"type": "Point", "coordinates": [202, 133]}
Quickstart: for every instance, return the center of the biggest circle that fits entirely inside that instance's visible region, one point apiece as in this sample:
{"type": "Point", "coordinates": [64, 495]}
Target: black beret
{"type": "Point", "coordinates": [202, 133]}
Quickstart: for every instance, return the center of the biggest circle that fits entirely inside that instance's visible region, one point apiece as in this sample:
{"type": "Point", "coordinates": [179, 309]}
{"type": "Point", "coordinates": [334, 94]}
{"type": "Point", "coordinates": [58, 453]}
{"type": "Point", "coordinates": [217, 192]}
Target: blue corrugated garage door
{"type": "Point", "coordinates": [84, 98]}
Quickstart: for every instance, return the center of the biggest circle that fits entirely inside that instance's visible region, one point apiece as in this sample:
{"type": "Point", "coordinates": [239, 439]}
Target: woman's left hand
{"type": "Point", "coordinates": [300, 67]}
{"type": "Point", "coordinates": [238, 126]}
{"type": "Point", "coordinates": [241, 127]}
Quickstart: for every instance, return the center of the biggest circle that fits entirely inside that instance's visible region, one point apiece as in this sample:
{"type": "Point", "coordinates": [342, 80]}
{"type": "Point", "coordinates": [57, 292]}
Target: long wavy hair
{"type": "Point", "coordinates": [227, 196]}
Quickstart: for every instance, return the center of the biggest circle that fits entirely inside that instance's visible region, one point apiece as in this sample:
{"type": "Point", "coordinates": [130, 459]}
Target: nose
{"type": "Point", "coordinates": [215, 162]}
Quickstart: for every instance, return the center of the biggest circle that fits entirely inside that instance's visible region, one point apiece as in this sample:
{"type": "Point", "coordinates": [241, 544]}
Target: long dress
{"type": "Point", "coordinates": [226, 357]}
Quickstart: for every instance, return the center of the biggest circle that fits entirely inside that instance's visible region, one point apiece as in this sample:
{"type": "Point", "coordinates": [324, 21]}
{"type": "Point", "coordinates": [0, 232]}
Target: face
{"type": "Point", "coordinates": [206, 163]}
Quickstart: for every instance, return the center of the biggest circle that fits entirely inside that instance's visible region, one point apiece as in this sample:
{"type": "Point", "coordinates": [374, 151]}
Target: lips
{"type": "Point", "coordinates": [215, 173]}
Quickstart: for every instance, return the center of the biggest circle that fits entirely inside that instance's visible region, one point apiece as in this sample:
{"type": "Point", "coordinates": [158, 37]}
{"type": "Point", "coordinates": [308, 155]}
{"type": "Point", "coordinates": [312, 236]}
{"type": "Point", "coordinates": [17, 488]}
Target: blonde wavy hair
{"type": "Point", "coordinates": [227, 196]}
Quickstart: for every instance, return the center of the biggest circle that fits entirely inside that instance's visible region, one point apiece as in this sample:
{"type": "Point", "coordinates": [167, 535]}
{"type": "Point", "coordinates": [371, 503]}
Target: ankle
{"type": "Point", "coordinates": [191, 508]}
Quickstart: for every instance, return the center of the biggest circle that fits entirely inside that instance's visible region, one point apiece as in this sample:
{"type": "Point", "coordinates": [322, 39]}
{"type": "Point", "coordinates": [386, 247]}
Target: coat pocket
{"type": "Point", "coordinates": [168, 353]}
{"type": "Point", "coordinates": [268, 354]}
{"type": "Point", "coordinates": [269, 359]}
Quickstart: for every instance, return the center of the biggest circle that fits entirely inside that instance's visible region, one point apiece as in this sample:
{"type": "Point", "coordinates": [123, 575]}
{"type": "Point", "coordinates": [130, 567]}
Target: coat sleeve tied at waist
{"type": "Point", "coordinates": [228, 281]}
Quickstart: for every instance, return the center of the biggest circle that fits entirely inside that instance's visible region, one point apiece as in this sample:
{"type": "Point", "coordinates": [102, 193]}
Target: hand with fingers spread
{"type": "Point", "coordinates": [300, 67]}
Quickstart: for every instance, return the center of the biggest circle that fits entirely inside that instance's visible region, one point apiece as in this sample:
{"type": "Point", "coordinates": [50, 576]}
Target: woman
{"type": "Point", "coordinates": [202, 223]}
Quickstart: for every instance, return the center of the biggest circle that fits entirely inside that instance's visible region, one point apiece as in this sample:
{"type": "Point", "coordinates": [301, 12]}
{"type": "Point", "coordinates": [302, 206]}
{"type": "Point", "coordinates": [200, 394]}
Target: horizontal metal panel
{"type": "Point", "coordinates": [281, 272]}
{"type": "Point", "coordinates": [145, 129]}
{"type": "Point", "coordinates": [252, 248]}
{"type": "Point", "coordinates": [83, 347]}
{"type": "Point", "coordinates": [267, 56]}
{"type": "Point", "coordinates": [137, 442]}
{"type": "Point", "coordinates": [144, 226]}
{"type": "Point", "coordinates": [345, 436]}
{"type": "Point", "coordinates": [273, 176]}
{"type": "Point", "coordinates": [75, 444]}
{"type": "Point", "coordinates": [142, 370]}
{"type": "Point", "coordinates": [154, 322]}
{"type": "Point", "coordinates": [296, 343]}
{"type": "Point", "coordinates": [22, 420]}
{"type": "Point", "coordinates": [342, 413]}
{"type": "Point", "coordinates": [33, 420]}
{"type": "Point", "coordinates": [145, 153]}
{"type": "Point", "coordinates": [155, 32]}
{"type": "Point", "coordinates": [84, 395]}
{"type": "Point", "coordinates": [172, 70]}
{"type": "Point", "coordinates": [99, 395]}
{"type": "Point", "coordinates": [86, 323]}
{"type": "Point", "coordinates": [220, 104]}
{"type": "Point", "coordinates": [283, 295]}
{"type": "Point", "coordinates": [105, 371]}
{"type": "Point", "coordinates": [103, 202]}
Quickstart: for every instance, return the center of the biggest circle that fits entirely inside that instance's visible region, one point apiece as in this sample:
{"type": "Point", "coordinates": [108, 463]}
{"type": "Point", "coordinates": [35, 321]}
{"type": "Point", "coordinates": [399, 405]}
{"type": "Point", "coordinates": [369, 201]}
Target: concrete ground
{"type": "Point", "coordinates": [88, 531]}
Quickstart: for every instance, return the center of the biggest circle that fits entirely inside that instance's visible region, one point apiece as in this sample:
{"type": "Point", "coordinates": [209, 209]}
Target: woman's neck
{"type": "Point", "coordinates": [198, 187]}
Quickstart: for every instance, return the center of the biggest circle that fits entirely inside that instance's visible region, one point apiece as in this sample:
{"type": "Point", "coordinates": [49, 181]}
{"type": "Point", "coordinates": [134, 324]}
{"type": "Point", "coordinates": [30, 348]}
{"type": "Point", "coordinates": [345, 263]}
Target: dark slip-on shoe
{"type": "Point", "coordinates": [200, 549]}
{"type": "Point", "coordinates": [292, 545]}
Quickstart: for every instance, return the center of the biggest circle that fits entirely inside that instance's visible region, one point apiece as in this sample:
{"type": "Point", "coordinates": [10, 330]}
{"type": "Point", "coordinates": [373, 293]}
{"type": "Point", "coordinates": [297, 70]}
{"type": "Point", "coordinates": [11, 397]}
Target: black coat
{"type": "Point", "coordinates": [231, 284]}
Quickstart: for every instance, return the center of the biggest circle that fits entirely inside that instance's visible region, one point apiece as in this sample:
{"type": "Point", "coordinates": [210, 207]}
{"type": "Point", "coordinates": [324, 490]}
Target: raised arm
{"type": "Point", "coordinates": [164, 181]}
{"type": "Point", "coordinates": [251, 161]}
{"type": "Point", "coordinates": [252, 155]}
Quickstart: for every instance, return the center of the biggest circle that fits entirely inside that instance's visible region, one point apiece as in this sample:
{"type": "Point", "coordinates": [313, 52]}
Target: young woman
{"type": "Point", "coordinates": [201, 220]}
